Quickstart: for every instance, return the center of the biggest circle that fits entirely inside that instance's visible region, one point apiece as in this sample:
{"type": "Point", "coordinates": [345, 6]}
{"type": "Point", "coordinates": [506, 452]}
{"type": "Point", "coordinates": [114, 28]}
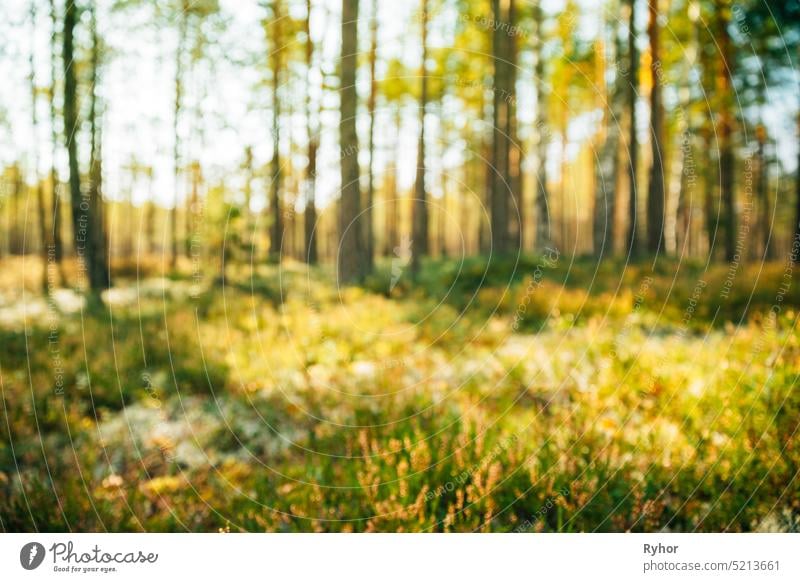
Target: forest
{"type": "Point", "coordinates": [414, 265]}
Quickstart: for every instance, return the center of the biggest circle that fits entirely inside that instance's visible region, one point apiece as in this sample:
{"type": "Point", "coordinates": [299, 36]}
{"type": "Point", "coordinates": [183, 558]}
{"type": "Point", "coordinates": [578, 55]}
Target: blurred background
{"type": "Point", "coordinates": [504, 265]}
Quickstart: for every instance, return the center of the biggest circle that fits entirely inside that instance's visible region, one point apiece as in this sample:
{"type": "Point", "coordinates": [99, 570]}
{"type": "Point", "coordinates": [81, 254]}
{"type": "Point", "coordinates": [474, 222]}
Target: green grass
{"type": "Point", "coordinates": [279, 403]}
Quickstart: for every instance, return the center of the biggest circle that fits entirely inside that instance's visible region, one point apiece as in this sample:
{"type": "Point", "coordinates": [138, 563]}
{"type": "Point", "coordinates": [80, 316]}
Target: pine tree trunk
{"type": "Point", "coordinates": [516, 209]}
{"type": "Point", "coordinates": [369, 234]}
{"type": "Point", "coordinates": [633, 144]}
{"type": "Point", "coordinates": [725, 132]}
{"type": "Point", "coordinates": [349, 267]}
{"type": "Point", "coordinates": [485, 192]}
{"type": "Point", "coordinates": [393, 201]}
{"type": "Point", "coordinates": [176, 146]}
{"type": "Point", "coordinates": [71, 126]}
{"type": "Point", "coordinates": [795, 256]}
{"type": "Point", "coordinates": [15, 246]}
{"type": "Point", "coordinates": [58, 245]}
{"type": "Point", "coordinates": [419, 207]}
{"type": "Point", "coordinates": [247, 240]}
{"type": "Point", "coordinates": [608, 165]}
{"type": "Point", "coordinates": [86, 212]}
{"type": "Point", "coordinates": [96, 239]}
{"type": "Point", "coordinates": [150, 215]}
{"type": "Point", "coordinates": [276, 225]}
{"type": "Point", "coordinates": [40, 202]}
{"type": "Point", "coordinates": [684, 239]}
{"type": "Point", "coordinates": [310, 214]}
{"type": "Point", "coordinates": [656, 199]}
{"type": "Point", "coordinates": [543, 226]}
{"type": "Point", "coordinates": [441, 230]}
{"type": "Point", "coordinates": [192, 208]}
{"type": "Point", "coordinates": [762, 195]}
{"type": "Point", "coordinates": [502, 112]}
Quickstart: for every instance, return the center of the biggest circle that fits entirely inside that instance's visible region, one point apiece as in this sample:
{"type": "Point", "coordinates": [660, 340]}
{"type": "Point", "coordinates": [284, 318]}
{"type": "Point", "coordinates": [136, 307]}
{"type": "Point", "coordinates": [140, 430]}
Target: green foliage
{"type": "Point", "coordinates": [300, 407]}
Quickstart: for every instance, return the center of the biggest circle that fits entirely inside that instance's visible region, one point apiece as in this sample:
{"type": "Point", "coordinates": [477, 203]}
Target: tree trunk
{"type": "Point", "coordinates": [86, 218]}
{"type": "Point", "coordinates": [80, 216]}
{"type": "Point", "coordinates": [710, 205]}
{"type": "Point", "coordinates": [193, 209]}
{"type": "Point", "coordinates": [188, 205]}
{"type": "Point", "coordinates": [502, 122]}
{"type": "Point", "coordinates": [677, 212]}
{"type": "Point", "coordinates": [543, 226]}
{"type": "Point", "coordinates": [564, 223]}
{"type": "Point", "coordinates": [608, 165]}
{"type": "Point", "coordinates": [393, 202]}
{"type": "Point", "coordinates": [349, 266]}
{"type": "Point", "coordinates": [14, 244]}
{"type": "Point", "coordinates": [96, 238]}
{"type": "Point", "coordinates": [150, 215]}
{"type": "Point", "coordinates": [247, 240]}
{"type": "Point", "coordinates": [655, 199]}
{"type": "Point", "coordinates": [441, 229]}
{"type": "Point", "coordinates": [600, 145]}
{"type": "Point", "coordinates": [419, 207]}
{"type": "Point", "coordinates": [176, 145]}
{"type": "Point", "coordinates": [633, 144]}
{"type": "Point", "coordinates": [683, 236]}
{"type": "Point", "coordinates": [310, 214]}
{"type": "Point", "coordinates": [369, 234]}
{"type": "Point", "coordinates": [58, 245]}
{"type": "Point", "coordinates": [485, 192]}
{"type": "Point", "coordinates": [762, 195]}
{"type": "Point", "coordinates": [276, 226]}
{"type": "Point", "coordinates": [41, 210]}
{"type": "Point", "coordinates": [682, 239]}
{"type": "Point", "coordinates": [516, 210]}
{"type": "Point", "coordinates": [795, 256]}
{"type": "Point", "coordinates": [725, 132]}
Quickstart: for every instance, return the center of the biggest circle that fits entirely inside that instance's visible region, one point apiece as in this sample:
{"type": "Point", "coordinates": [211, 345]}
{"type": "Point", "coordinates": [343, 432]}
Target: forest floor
{"type": "Point", "coordinates": [539, 395]}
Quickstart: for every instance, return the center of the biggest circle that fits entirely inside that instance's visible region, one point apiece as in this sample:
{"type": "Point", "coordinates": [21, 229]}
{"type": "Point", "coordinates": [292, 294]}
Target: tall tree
{"type": "Point", "coordinates": [395, 89]}
{"type": "Point", "coordinates": [655, 199]}
{"type": "Point", "coordinates": [765, 229]}
{"type": "Point", "coordinates": [97, 251]}
{"type": "Point", "coordinates": [419, 207]}
{"type": "Point", "coordinates": [349, 251]}
{"type": "Point", "coordinates": [505, 152]}
{"type": "Point", "coordinates": [247, 213]}
{"type": "Point", "coordinates": [310, 214]}
{"type": "Point", "coordinates": [682, 237]}
{"type": "Point", "coordinates": [192, 206]}
{"type": "Point", "coordinates": [516, 215]}
{"type": "Point", "coordinates": [58, 246]}
{"type": "Point", "coordinates": [37, 184]}
{"type": "Point", "coordinates": [633, 142]}
{"type": "Point", "coordinates": [85, 222]}
{"type": "Point", "coordinates": [392, 209]}
{"type": "Point", "coordinates": [609, 159]}
{"type": "Point", "coordinates": [568, 79]}
{"type": "Point", "coordinates": [150, 212]}
{"type": "Point", "coordinates": [71, 124]}
{"type": "Point", "coordinates": [777, 63]}
{"type": "Point", "coordinates": [276, 58]}
{"type": "Point", "coordinates": [541, 133]}
{"type": "Point", "coordinates": [725, 125]}
{"type": "Point", "coordinates": [183, 24]}
{"type": "Point", "coordinates": [15, 242]}
{"type": "Point", "coordinates": [369, 234]}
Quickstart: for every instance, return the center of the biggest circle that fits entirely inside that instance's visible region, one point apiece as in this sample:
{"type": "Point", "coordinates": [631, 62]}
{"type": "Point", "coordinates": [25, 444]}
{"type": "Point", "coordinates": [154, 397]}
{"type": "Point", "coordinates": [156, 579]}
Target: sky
{"type": "Point", "coordinates": [226, 105]}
